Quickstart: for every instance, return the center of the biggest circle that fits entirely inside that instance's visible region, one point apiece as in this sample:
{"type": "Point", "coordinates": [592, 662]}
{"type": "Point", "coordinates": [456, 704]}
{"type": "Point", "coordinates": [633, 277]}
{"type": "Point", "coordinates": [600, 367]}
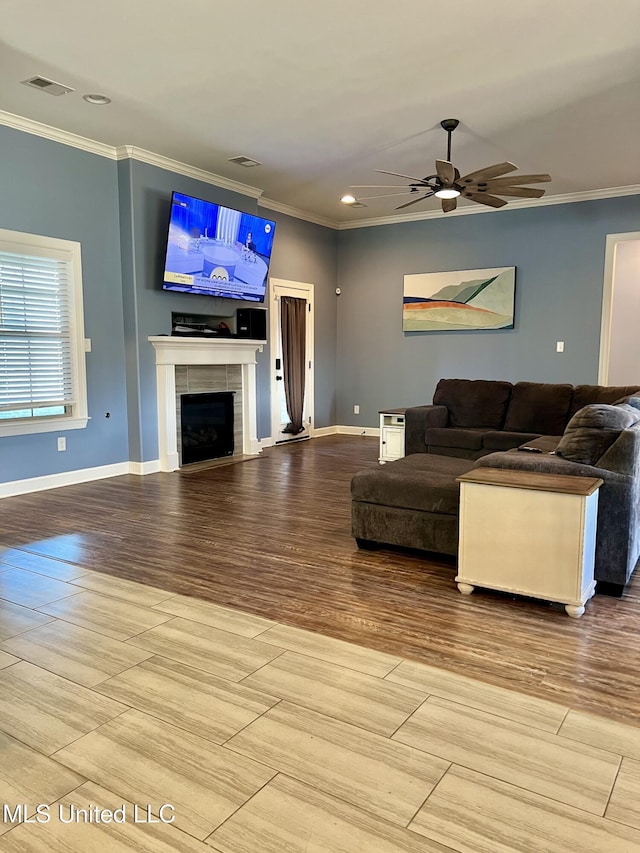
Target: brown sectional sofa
{"type": "Point", "coordinates": [470, 418]}
{"type": "Point", "coordinates": [413, 502]}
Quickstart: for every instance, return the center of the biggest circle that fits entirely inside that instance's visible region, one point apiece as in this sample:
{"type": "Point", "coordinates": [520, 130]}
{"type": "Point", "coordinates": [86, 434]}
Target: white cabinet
{"type": "Point", "coordinates": [391, 435]}
{"type": "Point", "coordinates": [528, 533]}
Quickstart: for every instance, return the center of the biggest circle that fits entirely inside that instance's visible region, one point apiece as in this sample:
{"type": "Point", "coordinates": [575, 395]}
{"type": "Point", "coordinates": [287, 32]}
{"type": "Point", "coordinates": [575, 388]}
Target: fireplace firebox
{"type": "Point", "coordinates": [206, 426]}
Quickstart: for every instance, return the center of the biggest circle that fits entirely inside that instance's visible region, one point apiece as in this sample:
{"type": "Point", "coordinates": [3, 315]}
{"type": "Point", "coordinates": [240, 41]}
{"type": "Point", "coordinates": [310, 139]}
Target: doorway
{"type": "Point", "coordinates": [619, 342]}
{"type": "Point", "coordinates": [279, 415]}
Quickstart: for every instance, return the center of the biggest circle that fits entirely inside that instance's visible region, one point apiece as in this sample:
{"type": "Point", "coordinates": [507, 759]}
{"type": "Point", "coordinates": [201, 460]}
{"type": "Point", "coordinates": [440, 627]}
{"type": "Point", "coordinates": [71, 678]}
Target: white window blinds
{"type": "Point", "coordinates": [36, 332]}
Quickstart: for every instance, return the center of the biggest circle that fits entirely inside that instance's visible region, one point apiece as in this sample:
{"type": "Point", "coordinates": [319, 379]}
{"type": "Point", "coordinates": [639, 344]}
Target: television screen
{"type": "Point", "coordinates": [217, 251]}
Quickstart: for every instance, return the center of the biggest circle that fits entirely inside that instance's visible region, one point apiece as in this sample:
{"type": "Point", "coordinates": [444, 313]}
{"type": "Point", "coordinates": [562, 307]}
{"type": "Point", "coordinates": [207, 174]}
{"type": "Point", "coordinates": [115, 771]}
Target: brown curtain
{"type": "Point", "coordinates": [293, 321]}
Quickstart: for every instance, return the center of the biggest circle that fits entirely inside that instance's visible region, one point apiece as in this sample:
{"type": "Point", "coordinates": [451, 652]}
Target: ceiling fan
{"type": "Point", "coordinates": [484, 186]}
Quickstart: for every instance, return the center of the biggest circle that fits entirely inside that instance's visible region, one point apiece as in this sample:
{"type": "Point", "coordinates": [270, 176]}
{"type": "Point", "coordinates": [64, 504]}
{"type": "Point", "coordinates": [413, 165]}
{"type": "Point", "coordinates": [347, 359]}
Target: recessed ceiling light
{"type": "Point", "coordinates": [348, 199]}
{"type": "Point", "coordinates": [99, 100]}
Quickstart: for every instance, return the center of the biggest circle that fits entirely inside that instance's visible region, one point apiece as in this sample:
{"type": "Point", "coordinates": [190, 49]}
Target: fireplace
{"type": "Point", "coordinates": [206, 426]}
{"type": "Point", "coordinates": [173, 353]}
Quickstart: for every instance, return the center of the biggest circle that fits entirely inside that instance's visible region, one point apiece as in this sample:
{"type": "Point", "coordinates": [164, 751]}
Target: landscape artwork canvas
{"type": "Point", "coordinates": [464, 300]}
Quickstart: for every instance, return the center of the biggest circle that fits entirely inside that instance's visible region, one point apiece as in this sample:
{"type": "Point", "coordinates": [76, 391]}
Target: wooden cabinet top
{"type": "Point", "coordinates": [534, 480]}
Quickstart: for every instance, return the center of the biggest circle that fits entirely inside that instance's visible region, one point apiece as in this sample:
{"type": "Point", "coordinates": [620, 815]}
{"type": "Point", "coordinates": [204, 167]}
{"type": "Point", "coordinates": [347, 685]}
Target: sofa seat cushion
{"type": "Point", "coordinates": [504, 440]}
{"type": "Point", "coordinates": [586, 395]}
{"type": "Point", "coordinates": [474, 402]}
{"type": "Point", "coordinates": [539, 408]}
{"type": "Point", "coordinates": [592, 431]}
{"type": "Point", "coordinates": [420, 481]}
{"type": "Point", "coordinates": [467, 439]}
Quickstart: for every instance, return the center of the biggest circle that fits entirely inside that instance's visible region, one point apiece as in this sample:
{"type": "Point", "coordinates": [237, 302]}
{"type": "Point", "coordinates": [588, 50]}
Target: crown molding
{"type": "Point", "coordinates": [132, 152]}
{"type": "Point", "coordinates": [279, 207]}
{"type": "Point", "coordinates": [37, 128]}
{"type": "Point", "coordinates": [566, 198]}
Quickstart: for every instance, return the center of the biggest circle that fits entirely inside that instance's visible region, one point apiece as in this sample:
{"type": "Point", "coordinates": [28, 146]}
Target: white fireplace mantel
{"type": "Point", "coordinates": [171, 351]}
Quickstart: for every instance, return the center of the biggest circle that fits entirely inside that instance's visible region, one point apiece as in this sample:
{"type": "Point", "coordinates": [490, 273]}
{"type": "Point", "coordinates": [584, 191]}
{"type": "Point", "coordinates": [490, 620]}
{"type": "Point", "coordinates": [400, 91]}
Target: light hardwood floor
{"type": "Point", "coordinates": [259, 737]}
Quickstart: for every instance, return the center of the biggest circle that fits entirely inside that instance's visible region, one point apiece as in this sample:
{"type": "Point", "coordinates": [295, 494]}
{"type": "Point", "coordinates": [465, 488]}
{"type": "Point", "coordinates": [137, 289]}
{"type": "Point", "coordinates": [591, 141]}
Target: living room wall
{"type": "Point", "coordinates": [302, 251]}
{"type": "Point", "coordinates": [58, 191]}
{"type": "Point", "coordinates": [558, 252]}
{"type": "Point", "coordinates": [119, 213]}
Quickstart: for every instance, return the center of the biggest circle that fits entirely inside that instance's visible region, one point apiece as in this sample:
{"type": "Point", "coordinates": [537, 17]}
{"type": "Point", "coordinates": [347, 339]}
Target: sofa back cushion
{"type": "Point", "coordinates": [585, 395]}
{"type": "Point", "coordinates": [592, 431]}
{"type": "Point", "coordinates": [539, 407]}
{"type": "Point", "coordinates": [475, 403]}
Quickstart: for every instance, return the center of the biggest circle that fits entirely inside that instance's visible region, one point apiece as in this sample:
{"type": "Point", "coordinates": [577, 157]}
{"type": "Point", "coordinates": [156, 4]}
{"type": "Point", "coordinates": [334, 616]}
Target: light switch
{"type": "Point", "coordinates": [560, 346]}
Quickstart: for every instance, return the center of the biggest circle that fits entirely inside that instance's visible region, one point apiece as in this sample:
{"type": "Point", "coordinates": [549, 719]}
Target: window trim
{"type": "Point", "coordinates": [21, 243]}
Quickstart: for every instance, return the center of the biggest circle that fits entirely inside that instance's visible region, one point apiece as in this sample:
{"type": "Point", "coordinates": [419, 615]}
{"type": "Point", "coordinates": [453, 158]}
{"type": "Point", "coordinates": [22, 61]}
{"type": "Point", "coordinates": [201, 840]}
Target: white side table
{"type": "Point", "coordinates": [528, 533]}
{"type": "Point", "coordinates": [391, 435]}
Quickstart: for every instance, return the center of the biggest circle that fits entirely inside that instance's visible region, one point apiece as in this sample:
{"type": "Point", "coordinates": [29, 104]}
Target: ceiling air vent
{"type": "Point", "coordinates": [245, 161]}
{"type": "Point", "coordinates": [48, 86]}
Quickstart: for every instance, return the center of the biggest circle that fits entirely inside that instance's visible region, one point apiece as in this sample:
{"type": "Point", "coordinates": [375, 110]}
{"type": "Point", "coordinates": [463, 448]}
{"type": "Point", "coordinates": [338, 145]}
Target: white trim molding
{"type": "Point", "coordinates": [607, 300]}
{"type": "Point", "coordinates": [132, 152]}
{"type": "Point", "coordinates": [566, 198]}
{"type": "Point", "coordinates": [356, 430]}
{"type": "Point", "coordinates": [143, 468]}
{"type": "Point", "coordinates": [66, 478]}
{"type": "Point", "coordinates": [297, 213]}
{"type": "Point", "coordinates": [55, 134]}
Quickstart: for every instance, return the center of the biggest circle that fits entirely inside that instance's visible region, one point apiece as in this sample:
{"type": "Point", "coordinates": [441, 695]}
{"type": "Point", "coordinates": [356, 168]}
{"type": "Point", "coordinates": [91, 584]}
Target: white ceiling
{"type": "Point", "coordinates": [325, 93]}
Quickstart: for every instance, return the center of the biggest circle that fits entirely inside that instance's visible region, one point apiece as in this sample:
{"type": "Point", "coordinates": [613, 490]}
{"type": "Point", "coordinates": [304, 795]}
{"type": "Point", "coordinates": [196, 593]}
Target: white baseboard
{"type": "Point", "coordinates": [265, 442]}
{"type": "Point", "coordinates": [142, 468]}
{"type": "Point", "coordinates": [66, 478]}
{"type": "Point", "coordinates": [356, 430]}
{"type": "Point", "coordinates": [318, 432]}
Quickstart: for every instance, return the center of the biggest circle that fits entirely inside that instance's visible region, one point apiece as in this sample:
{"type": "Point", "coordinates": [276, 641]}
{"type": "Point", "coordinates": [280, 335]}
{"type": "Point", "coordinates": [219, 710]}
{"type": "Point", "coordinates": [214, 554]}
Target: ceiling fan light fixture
{"type": "Point", "coordinates": [348, 199]}
{"type": "Point", "coordinates": [447, 192]}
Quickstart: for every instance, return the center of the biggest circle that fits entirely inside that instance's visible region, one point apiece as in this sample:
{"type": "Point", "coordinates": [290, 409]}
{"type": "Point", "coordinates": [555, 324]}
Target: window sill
{"type": "Point", "coordinates": [43, 425]}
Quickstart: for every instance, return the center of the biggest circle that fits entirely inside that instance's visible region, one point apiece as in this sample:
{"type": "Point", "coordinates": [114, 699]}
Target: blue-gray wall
{"type": "Point", "coordinates": [558, 251]}
{"type": "Point", "coordinates": [51, 189]}
{"type": "Point", "coordinates": [119, 213]}
{"type": "Point", "coordinates": [302, 252]}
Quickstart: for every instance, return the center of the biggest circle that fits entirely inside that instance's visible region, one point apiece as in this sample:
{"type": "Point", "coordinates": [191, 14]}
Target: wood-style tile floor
{"type": "Point", "coordinates": [252, 736]}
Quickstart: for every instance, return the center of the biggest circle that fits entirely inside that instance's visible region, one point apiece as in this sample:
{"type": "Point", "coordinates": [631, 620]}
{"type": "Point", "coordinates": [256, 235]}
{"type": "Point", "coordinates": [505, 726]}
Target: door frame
{"type": "Point", "coordinates": [302, 290]}
{"type": "Point", "coordinates": [607, 300]}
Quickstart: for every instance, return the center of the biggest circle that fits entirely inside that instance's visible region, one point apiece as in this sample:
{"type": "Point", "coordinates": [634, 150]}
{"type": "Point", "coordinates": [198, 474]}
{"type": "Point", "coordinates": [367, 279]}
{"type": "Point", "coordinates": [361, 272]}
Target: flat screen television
{"type": "Point", "coordinates": [216, 251]}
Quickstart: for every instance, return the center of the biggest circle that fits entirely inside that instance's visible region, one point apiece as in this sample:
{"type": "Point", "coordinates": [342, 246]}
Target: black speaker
{"type": "Point", "coordinates": [251, 323]}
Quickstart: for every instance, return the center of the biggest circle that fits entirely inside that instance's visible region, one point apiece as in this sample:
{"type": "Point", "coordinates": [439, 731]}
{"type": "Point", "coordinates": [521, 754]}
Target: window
{"type": "Point", "coordinates": [42, 370]}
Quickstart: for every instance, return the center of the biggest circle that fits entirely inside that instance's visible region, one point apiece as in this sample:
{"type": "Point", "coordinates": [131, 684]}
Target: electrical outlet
{"type": "Point", "coordinates": [560, 346]}
{"type": "Point", "coordinates": [62, 443]}
{"type": "Point", "coordinates": [356, 410]}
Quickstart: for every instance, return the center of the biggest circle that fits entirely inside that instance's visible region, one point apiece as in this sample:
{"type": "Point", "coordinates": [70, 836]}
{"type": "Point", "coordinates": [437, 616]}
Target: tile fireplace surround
{"type": "Point", "coordinates": [172, 351]}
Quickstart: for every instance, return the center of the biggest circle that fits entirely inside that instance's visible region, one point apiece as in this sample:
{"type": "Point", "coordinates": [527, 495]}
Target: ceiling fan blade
{"type": "Point", "coordinates": [449, 204]}
{"type": "Point", "coordinates": [512, 180]}
{"type": "Point", "coordinates": [384, 195]}
{"type": "Point", "coordinates": [518, 192]}
{"type": "Point", "coordinates": [445, 171]}
{"type": "Point", "coordinates": [488, 172]}
{"type": "Point", "coordinates": [399, 175]}
{"type": "Point", "coordinates": [483, 198]}
{"type": "Point", "coordinates": [413, 201]}
{"type": "Point", "coordinates": [379, 186]}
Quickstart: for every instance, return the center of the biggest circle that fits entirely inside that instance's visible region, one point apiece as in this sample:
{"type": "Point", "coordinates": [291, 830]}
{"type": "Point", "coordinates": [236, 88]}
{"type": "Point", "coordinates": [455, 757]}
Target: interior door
{"type": "Point", "coordinates": [279, 415]}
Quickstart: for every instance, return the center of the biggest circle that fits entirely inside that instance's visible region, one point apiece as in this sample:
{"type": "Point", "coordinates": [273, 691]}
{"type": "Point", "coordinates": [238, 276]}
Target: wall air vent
{"type": "Point", "coordinates": [245, 161]}
{"type": "Point", "coordinates": [48, 86]}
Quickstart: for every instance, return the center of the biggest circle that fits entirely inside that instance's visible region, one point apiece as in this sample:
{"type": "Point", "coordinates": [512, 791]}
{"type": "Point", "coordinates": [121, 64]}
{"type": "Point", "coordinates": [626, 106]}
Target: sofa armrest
{"type": "Point", "coordinates": [417, 420]}
{"type": "Point", "coordinates": [547, 463]}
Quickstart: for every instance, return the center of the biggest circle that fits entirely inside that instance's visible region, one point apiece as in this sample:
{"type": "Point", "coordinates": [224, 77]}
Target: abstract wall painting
{"type": "Point", "coordinates": [466, 300]}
